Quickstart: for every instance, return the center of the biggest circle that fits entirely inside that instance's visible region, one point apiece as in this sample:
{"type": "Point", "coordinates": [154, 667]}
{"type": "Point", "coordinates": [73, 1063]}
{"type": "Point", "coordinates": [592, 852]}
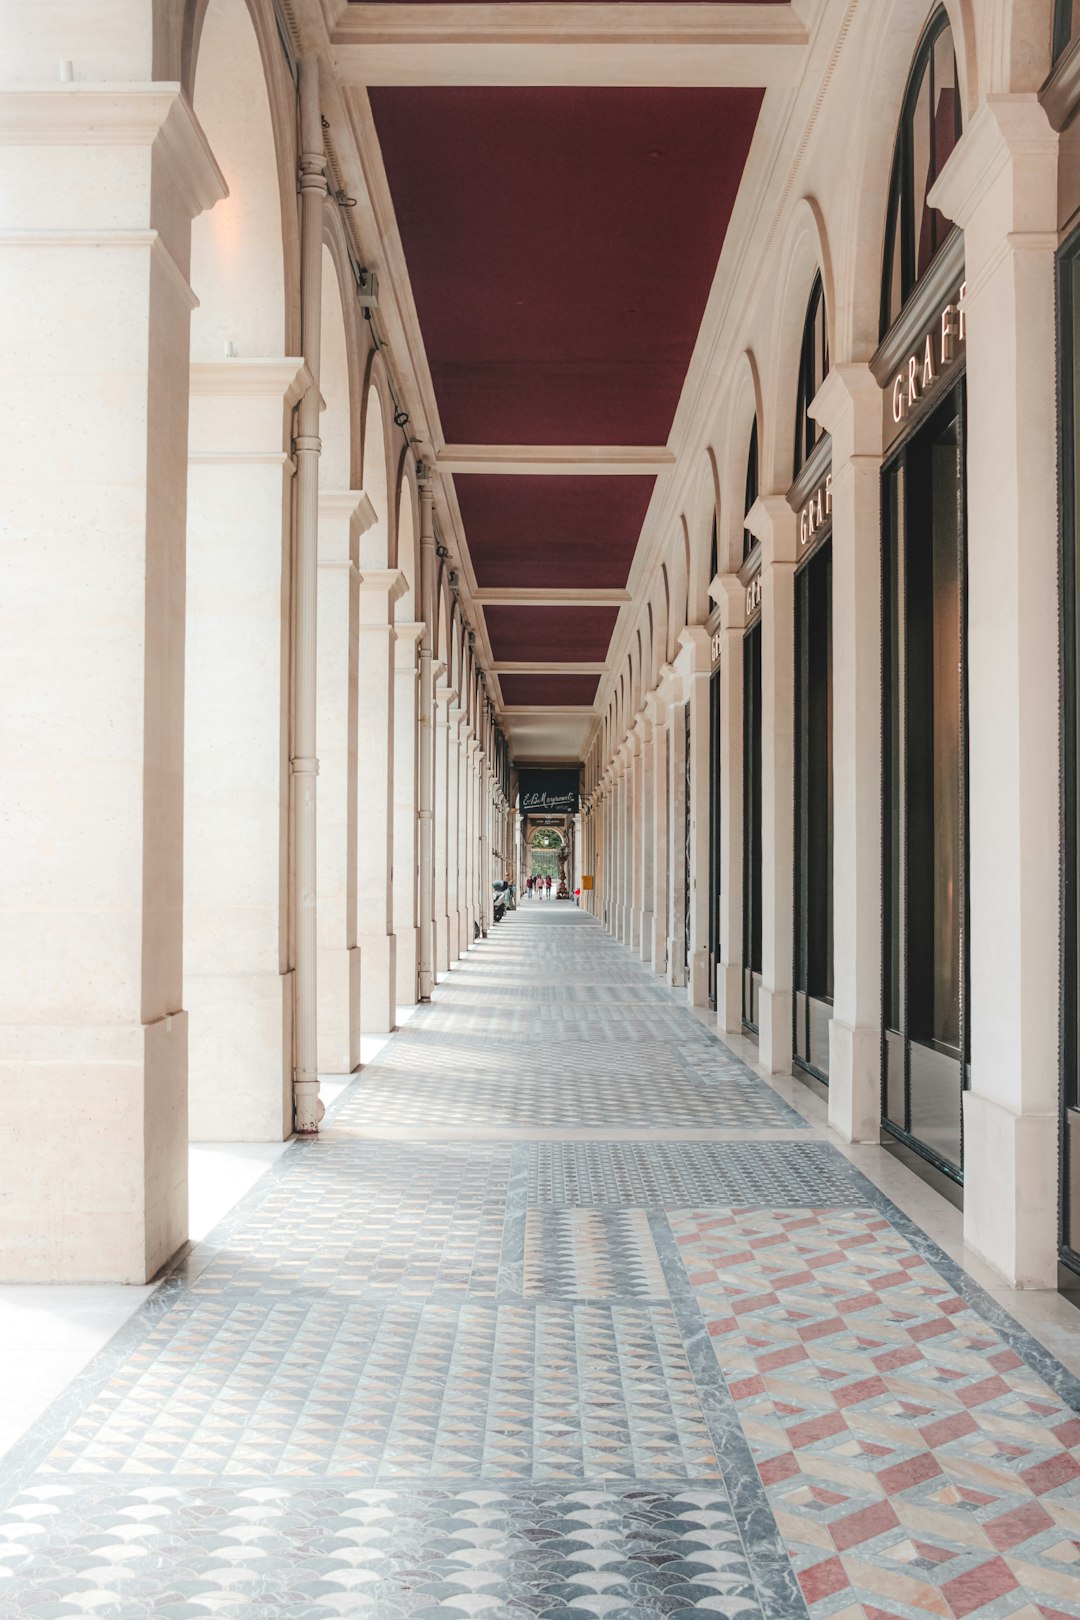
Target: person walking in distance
{"type": "Point", "coordinates": [547, 885]}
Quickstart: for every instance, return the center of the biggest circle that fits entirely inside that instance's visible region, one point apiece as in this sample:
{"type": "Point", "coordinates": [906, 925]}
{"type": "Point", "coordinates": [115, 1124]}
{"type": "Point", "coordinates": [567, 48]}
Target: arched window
{"type": "Point", "coordinates": [751, 495]}
{"type": "Point", "coordinates": [930, 125]}
{"type": "Point", "coordinates": [813, 367]}
{"type": "Point", "coordinates": [1066, 25]}
{"type": "Point", "coordinates": [714, 550]}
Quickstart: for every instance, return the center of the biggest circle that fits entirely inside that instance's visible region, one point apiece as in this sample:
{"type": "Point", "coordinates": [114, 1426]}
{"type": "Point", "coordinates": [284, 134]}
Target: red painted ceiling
{"type": "Point", "coordinates": [578, 531]}
{"type": "Point", "coordinates": [560, 635]}
{"type": "Point", "coordinates": [561, 244]}
{"type": "Point", "coordinates": [548, 691]}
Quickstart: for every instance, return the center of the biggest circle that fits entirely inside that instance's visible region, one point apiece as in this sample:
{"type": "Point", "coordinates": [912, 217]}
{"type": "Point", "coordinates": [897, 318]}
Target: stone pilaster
{"type": "Point", "coordinates": [406, 824]}
{"type": "Point", "coordinates": [379, 590]}
{"type": "Point", "coordinates": [732, 600]}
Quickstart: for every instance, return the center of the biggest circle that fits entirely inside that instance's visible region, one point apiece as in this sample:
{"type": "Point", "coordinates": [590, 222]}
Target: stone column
{"type": "Point", "coordinates": [661, 789]}
{"type": "Point", "coordinates": [646, 723]}
{"type": "Point", "coordinates": [406, 821]}
{"type": "Point", "coordinates": [100, 182]}
{"type": "Point", "coordinates": [343, 517]}
{"type": "Point", "coordinates": [477, 781]}
{"type": "Point", "coordinates": [454, 717]}
{"type": "Point", "coordinates": [699, 654]}
{"type": "Point", "coordinates": [635, 777]}
{"type": "Point", "coordinates": [425, 746]}
{"type": "Point", "coordinates": [379, 590]}
{"type": "Point", "coordinates": [1000, 185]}
{"type": "Point", "coordinates": [236, 981]}
{"type": "Point", "coordinates": [732, 601]}
{"type": "Point", "coordinates": [676, 917]}
{"type": "Point", "coordinates": [776, 526]}
{"type": "Point", "coordinates": [849, 408]}
{"type": "Point", "coordinates": [444, 699]}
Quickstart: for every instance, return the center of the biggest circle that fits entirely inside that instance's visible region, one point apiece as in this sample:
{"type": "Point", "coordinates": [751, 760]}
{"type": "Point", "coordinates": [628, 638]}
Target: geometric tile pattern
{"type": "Point", "coordinates": [616, 1379]}
{"type": "Point", "coordinates": [591, 1254]}
{"type": "Point", "coordinates": [417, 1221]}
{"type": "Point", "coordinates": [669, 1175]}
{"type": "Point", "coordinates": [915, 1464]}
{"type": "Point", "coordinates": [276, 1551]}
{"type": "Point", "coordinates": [271, 1388]}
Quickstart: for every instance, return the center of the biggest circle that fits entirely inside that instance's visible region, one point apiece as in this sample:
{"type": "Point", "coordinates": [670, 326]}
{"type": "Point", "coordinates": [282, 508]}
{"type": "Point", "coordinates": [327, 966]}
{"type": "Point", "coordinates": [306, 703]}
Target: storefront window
{"type": "Point", "coordinates": [1066, 25]}
{"type": "Point", "coordinates": [813, 369]}
{"type": "Point", "coordinates": [1069, 384]}
{"type": "Point", "coordinates": [930, 126]}
{"type": "Point", "coordinates": [751, 826]}
{"type": "Point", "coordinates": [813, 812]}
{"type": "Point", "coordinates": [751, 491]}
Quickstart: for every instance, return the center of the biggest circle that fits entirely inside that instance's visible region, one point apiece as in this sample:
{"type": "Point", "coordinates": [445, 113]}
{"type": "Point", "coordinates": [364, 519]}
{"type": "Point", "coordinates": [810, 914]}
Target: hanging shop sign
{"type": "Point", "coordinates": [548, 792]}
{"type": "Point", "coordinates": [815, 513]}
{"type": "Point", "coordinates": [930, 361]}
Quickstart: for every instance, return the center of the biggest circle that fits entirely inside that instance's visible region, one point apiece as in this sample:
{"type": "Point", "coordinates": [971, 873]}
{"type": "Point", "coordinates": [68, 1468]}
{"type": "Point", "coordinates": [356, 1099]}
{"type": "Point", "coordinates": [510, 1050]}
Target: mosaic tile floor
{"type": "Point", "coordinates": [568, 1378]}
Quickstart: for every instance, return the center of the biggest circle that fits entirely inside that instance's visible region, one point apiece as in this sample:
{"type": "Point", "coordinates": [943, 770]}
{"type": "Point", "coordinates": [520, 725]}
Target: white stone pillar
{"type": "Point", "coordinates": [236, 983]}
{"type": "Point", "coordinates": [343, 516]}
{"type": "Point", "coordinates": [99, 182]}
{"type": "Point", "coordinates": [476, 777]}
{"type": "Point", "coordinates": [699, 654]}
{"type": "Point", "coordinates": [676, 919]}
{"type": "Point", "coordinates": [732, 601]}
{"type": "Point", "coordinates": [1001, 185]}
{"type": "Point", "coordinates": [444, 699]}
{"type": "Point", "coordinates": [849, 408]}
{"type": "Point", "coordinates": [776, 526]}
{"type": "Point", "coordinates": [454, 718]}
{"type": "Point", "coordinates": [661, 789]}
{"type": "Point", "coordinates": [379, 590]}
{"type": "Point", "coordinates": [648, 826]}
{"type": "Point", "coordinates": [406, 821]}
{"type": "Point", "coordinates": [635, 778]}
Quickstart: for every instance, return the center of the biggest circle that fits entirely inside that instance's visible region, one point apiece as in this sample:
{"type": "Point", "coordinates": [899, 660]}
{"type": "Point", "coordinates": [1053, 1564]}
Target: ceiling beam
{"type": "Point", "coordinates": [570, 44]}
{"type": "Point", "coordinates": [557, 459]}
{"type": "Point", "coordinates": [551, 596]}
{"type": "Point", "coordinates": [576, 711]}
{"type": "Point", "coordinates": [535, 667]}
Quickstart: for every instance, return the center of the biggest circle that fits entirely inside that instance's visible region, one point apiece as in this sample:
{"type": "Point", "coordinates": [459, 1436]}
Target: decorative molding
{"type": "Point", "coordinates": [558, 459]}
{"type": "Point", "coordinates": [550, 596]}
{"type": "Point", "coordinates": [924, 305]}
{"type": "Point", "coordinates": [284, 376]}
{"type": "Point", "coordinates": [814, 469]}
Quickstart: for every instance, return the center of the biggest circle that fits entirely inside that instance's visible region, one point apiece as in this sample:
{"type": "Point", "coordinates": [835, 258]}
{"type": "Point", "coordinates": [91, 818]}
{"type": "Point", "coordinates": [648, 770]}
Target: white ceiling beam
{"type": "Point", "coordinates": [575, 711]}
{"type": "Point", "coordinates": [557, 459]}
{"type": "Point", "coordinates": [550, 596]}
{"type": "Point", "coordinates": [570, 44]}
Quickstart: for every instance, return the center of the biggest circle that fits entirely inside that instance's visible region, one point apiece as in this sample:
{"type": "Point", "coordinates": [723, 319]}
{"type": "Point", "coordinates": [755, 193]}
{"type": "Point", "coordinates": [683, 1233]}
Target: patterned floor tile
{"type": "Point", "coordinates": [689, 1175]}
{"type": "Point", "coordinates": [531, 1392]}
{"type": "Point", "coordinates": [267, 1552]}
{"type": "Point", "coordinates": [913, 1460]}
{"type": "Point", "coordinates": [591, 1254]}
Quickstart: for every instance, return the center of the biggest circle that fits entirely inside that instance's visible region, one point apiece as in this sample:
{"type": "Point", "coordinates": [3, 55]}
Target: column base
{"type": "Point", "coordinates": [659, 946]}
{"type": "Point", "coordinates": [648, 933]}
{"type": "Point", "coordinates": [93, 1157]}
{"type": "Point", "coordinates": [339, 1010]}
{"type": "Point", "coordinates": [239, 1081]}
{"type": "Point", "coordinates": [457, 935]}
{"type": "Point", "coordinates": [1011, 1191]}
{"type": "Point", "coordinates": [442, 944]}
{"type": "Point", "coordinates": [676, 969]}
{"type": "Point", "coordinates": [699, 979]}
{"type": "Point", "coordinates": [855, 1081]}
{"type": "Point", "coordinates": [775, 1031]}
{"type": "Point", "coordinates": [729, 998]}
{"type": "Point", "coordinates": [408, 946]}
{"type": "Point", "coordinates": [634, 929]}
{"type": "Point", "coordinates": [378, 983]}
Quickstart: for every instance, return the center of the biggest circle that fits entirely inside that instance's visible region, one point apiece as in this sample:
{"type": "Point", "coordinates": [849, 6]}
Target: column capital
{"type": "Point", "coordinates": [697, 655]}
{"type": "Point", "coordinates": [651, 707]}
{"type": "Point", "coordinates": [772, 521]}
{"type": "Point", "coordinates": [390, 582]}
{"type": "Point", "coordinates": [732, 602]}
{"type": "Point", "coordinates": [1006, 130]}
{"type": "Point", "coordinates": [848, 407]}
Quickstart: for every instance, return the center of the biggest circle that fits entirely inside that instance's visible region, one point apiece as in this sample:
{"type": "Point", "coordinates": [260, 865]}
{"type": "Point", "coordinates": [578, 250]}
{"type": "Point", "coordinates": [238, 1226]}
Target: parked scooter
{"type": "Point", "coordinates": [501, 900]}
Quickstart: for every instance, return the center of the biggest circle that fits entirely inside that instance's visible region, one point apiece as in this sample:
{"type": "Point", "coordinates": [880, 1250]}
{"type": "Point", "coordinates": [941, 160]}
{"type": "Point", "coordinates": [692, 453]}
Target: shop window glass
{"type": "Point", "coordinates": [751, 491]}
{"type": "Point", "coordinates": [1066, 25]}
{"type": "Point", "coordinates": [714, 552]}
{"type": "Point", "coordinates": [813, 366]}
{"type": "Point", "coordinates": [813, 811]}
{"type": "Point", "coordinates": [751, 825]}
{"type": "Point", "coordinates": [930, 126]}
{"type": "Point", "coordinates": [1069, 385]}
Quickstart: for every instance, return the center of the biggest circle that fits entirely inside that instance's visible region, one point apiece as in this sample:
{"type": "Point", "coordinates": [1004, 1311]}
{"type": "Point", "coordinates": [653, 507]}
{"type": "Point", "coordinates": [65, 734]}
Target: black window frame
{"type": "Point", "coordinates": [1063, 27]}
{"type": "Point", "coordinates": [901, 205]}
{"type": "Point", "coordinates": [1068, 315]}
{"type": "Point", "coordinates": [750, 491]}
{"type": "Point", "coordinates": [813, 369]}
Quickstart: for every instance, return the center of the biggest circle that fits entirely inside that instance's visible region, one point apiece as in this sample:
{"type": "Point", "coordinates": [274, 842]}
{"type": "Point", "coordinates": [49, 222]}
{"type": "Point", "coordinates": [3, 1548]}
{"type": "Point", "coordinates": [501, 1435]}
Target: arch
{"type": "Point", "coordinates": [407, 547]}
{"type": "Point", "coordinates": [243, 251]}
{"type": "Point", "coordinates": [889, 34]}
{"type": "Point", "coordinates": [377, 459]}
{"type": "Point", "coordinates": [804, 253]}
{"type": "Point", "coordinates": [744, 409]}
{"type": "Point", "coordinates": [665, 610]}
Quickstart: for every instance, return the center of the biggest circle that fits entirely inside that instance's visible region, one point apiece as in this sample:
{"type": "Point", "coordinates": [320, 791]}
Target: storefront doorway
{"type": "Point", "coordinates": [751, 958]}
{"type": "Point", "coordinates": [925, 1047]}
{"type": "Point", "coordinates": [813, 813]}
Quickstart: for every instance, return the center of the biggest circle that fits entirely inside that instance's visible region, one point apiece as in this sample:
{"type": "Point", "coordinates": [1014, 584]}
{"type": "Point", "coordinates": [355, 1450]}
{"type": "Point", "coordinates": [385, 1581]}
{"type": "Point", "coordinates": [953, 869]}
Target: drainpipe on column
{"type": "Point", "coordinates": [307, 1109]}
{"type": "Point", "coordinates": [424, 718]}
